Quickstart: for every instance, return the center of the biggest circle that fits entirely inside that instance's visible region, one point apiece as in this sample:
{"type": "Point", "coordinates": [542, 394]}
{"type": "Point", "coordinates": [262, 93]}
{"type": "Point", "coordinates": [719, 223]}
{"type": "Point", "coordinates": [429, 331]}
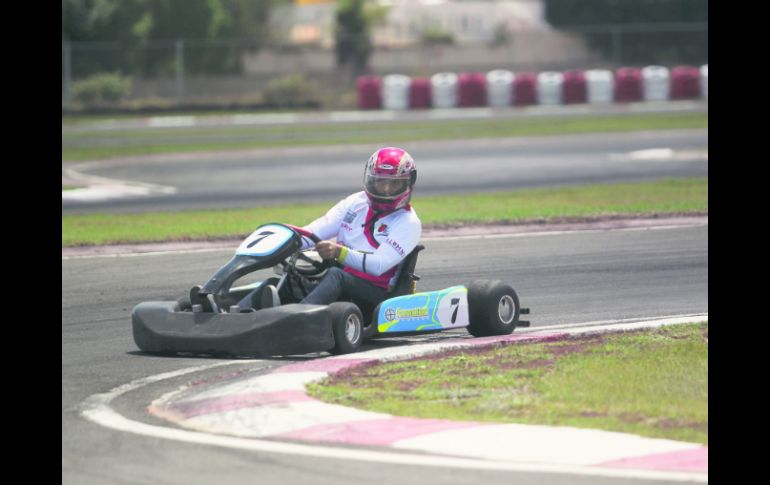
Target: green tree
{"type": "Point", "coordinates": [638, 45]}
{"type": "Point", "coordinates": [140, 34]}
{"type": "Point", "coordinates": [86, 20]}
{"type": "Point", "coordinates": [562, 13]}
{"type": "Point", "coordinates": [353, 45]}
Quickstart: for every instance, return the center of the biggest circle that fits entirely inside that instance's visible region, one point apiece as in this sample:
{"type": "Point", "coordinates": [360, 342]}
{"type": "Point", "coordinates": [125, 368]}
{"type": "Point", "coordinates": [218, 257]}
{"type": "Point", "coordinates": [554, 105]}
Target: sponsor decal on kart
{"type": "Point", "coordinates": [433, 310]}
{"type": "Point", "coordinates": [265, 240]}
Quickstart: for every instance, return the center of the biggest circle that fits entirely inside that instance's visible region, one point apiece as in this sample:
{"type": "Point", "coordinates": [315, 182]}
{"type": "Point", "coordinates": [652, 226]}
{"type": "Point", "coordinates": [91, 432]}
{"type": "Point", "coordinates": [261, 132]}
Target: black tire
{"type": "Point", "coordinates": [493, 308]}
{"type": "Point", "coordinates": [347, 326]}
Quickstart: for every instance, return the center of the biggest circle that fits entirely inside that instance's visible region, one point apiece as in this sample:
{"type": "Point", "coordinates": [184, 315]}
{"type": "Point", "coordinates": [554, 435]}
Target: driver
{"type": "Point", "coordinates": [375, 230]}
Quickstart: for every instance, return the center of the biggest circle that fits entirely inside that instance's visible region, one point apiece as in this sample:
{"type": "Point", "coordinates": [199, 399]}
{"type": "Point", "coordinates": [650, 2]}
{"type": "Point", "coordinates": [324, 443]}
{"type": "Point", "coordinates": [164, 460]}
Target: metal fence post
{"type": "Point", "coordinates": [617, 45]}
{"type": "Point", "coordinates": [179, 70]}
{"type": "Point", "coordinates": [67, 71]}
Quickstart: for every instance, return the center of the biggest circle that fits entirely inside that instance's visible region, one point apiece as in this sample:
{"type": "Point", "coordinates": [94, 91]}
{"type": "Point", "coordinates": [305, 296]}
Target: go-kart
{"type": "Point", "coordinates": [220, 319]}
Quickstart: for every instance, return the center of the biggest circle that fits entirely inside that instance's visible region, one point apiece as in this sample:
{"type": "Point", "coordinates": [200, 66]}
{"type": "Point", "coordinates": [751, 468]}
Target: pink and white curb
{"type": "Point", "coordinates": [276, 405]}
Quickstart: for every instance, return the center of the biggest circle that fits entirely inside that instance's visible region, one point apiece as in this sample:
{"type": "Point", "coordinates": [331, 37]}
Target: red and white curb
{"type": "Point", "coordinates": [276, 406]}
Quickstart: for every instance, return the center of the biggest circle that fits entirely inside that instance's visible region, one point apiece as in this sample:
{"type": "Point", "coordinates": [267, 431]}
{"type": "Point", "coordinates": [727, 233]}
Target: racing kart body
{"type": "Point", "coordinates": [219, 319]}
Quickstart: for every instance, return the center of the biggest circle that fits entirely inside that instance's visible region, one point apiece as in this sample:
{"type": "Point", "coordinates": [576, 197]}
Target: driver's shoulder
{"type": "Point", "coordinates": [357, 197]}
{"type": "Point", "coordinates": [405, 222]}
{"type": "Point", "coordinates": [409, 216]}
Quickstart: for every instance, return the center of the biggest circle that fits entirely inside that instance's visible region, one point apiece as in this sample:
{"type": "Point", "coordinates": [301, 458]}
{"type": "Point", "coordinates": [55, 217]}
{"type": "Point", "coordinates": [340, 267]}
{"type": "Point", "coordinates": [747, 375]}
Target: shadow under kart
{"type": "Point", "coordinates": [219, 319]}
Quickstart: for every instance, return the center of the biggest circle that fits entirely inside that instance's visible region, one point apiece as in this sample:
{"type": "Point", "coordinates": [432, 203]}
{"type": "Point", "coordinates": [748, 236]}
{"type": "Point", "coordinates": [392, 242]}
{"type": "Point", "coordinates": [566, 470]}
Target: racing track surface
{"type": "Point", "coordinates": [292, 175]}
{"type": "Point", "coordinates": [564, 278]}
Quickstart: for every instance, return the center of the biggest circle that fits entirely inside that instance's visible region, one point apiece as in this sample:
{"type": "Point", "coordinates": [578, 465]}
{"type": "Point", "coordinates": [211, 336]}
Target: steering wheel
{"type": "Point", "coordinates": [318, 267]}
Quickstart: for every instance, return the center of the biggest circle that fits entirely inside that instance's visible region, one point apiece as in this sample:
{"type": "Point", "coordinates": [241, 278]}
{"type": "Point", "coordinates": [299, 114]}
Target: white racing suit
{"type": "Point", "coordinates": [375, 246]}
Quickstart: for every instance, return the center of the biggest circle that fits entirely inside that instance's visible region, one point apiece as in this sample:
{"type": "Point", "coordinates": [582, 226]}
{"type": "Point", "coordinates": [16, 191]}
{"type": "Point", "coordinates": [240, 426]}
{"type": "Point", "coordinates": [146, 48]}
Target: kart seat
{"type": "Point", "coordinates": [405, 283]}
{"type": "Point", "coordinates": [403, 286]}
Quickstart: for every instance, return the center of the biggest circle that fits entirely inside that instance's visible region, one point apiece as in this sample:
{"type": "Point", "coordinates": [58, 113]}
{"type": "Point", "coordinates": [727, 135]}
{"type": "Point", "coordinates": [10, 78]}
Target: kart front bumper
{"type": "Point", "coordinates": [284, 330]}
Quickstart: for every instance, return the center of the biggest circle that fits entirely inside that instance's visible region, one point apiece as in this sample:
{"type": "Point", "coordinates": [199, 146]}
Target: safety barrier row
{"type": "Point", "coordinates": [500, 88]}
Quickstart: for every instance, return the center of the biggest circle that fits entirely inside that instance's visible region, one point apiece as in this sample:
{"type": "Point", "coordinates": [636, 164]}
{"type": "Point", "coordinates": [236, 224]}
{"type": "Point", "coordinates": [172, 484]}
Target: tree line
{"type": "Point", "coordinates": [145, 31]}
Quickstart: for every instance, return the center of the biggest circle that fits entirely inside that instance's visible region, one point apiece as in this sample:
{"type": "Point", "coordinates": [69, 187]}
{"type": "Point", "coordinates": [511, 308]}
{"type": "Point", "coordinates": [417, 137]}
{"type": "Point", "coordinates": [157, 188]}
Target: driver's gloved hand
{"type": "Point", "coordinates": [328, 249]}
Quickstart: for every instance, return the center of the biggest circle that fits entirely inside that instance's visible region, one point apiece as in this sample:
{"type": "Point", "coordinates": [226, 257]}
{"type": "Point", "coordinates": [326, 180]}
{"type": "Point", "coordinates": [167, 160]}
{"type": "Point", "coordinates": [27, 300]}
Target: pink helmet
{"type": "Point", "coordinates": [388, 179]}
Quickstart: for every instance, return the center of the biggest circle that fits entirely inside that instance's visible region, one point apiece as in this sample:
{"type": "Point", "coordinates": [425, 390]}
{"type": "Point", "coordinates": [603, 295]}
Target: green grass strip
{"type": "Point", "coordinates": [102, 144]}
{"type": "Point", "coordinates": [651, 383]}
{"type": "Point", "coordinates": [665, 196]}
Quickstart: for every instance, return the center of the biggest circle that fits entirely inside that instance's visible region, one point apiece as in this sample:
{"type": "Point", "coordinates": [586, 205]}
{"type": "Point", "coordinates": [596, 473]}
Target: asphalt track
{"type": "Point", "coordinates": [327, 174]}
{"type": "Point", "coordinates": [563, 277]}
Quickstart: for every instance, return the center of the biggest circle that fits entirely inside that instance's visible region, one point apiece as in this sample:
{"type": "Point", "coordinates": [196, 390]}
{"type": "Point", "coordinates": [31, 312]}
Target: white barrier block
{"type": "Point", "coordinates": [444, 90]}
{"type": "Point", "coordinates": [395, 91]}
{"type": "Point", "coordinates": [600, 86]}
{"type": "Point", "coordinates": [549, 87]}
{"type": "Point", "coordinates": [500, 88]}
{"type": "Point", "coordinates": [656, 83]}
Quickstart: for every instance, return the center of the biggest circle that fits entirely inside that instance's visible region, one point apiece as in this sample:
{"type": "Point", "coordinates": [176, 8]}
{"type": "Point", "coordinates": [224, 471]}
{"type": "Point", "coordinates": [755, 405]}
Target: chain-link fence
{"type": "Point", "coordinates": [183, 72]}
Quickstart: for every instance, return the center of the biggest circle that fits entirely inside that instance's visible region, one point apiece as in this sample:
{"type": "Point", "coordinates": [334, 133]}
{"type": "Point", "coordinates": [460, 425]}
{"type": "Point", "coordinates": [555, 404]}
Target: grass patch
{"type": "Point", "coordinates": [95, 229]}
{"type": "Point", "coordinates": [671, 195]}
{"type": "Point", "coordinates": [651, 383]}
{"type": "Point", "coordinates": [101, 144]}
{"type": "Point", "coordinates": [666, 196]}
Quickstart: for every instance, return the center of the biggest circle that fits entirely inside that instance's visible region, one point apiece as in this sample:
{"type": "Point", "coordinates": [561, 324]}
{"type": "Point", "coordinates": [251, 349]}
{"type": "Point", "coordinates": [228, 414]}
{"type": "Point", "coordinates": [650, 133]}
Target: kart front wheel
{"type": "Point", "coordinates": [493, 308]}
{"type": "Point", "coordinates": [347, 325]}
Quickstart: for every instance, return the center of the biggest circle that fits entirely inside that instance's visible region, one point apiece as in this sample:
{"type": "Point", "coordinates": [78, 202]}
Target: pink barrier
{"type": "Point", "coordinates": [574, 89]}
{"type": "Point", "coordinates": [628, 84]}
{"type": "Point", "coordinates": [369, 89]}
{"type": "Point", "coordinates": [419, 93]}
{"type": "Point", "coordinates": [685, 82]}
{"type": "Point", "coordinates": [473, 89]}
{"type": "Point", "coordinates": [524, 89]}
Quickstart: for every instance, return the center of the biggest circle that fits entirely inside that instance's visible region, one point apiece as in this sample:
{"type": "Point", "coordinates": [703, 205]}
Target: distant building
{"type": "Point", "coordinates": [406, 21]}
{"type": "Point", "coordinates": [468, 22]}
{"type": "Point", "coordinates": [305, 22]}
{"type": "Point", "coordinates": [477, 35]}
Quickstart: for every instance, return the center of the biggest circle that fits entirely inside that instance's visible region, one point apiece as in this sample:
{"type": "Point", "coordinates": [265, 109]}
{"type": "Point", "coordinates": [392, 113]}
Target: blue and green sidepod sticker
{"type": "Point", "coordinates": [432, 310]}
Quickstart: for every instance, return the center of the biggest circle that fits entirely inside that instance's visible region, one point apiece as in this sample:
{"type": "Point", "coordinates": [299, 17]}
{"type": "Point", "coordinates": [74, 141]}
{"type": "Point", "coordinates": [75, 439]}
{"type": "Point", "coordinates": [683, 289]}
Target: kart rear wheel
{"type": "Point", "coordinates": [493, 308]}
{"type": "Point", "coordinates": [347, 326]}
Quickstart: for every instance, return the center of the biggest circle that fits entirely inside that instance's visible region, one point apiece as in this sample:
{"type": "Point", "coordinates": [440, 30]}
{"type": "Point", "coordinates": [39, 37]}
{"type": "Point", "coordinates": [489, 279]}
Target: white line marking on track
{"type": "Point", "coordinates": [171, 121]}
{"type": "Point", "coordinates": [103, 188]}
{"type": "Point", "coordinates": [660, 155]}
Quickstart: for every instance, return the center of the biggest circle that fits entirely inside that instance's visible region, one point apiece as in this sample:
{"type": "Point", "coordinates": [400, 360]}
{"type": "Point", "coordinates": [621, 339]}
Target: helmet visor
{"type": "Point", "coordinates": [385, 187]}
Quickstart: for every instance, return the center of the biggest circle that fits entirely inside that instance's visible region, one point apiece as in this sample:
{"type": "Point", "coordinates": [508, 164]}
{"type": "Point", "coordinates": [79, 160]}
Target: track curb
{"type": "Point", "coordinates": [276, 406]}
